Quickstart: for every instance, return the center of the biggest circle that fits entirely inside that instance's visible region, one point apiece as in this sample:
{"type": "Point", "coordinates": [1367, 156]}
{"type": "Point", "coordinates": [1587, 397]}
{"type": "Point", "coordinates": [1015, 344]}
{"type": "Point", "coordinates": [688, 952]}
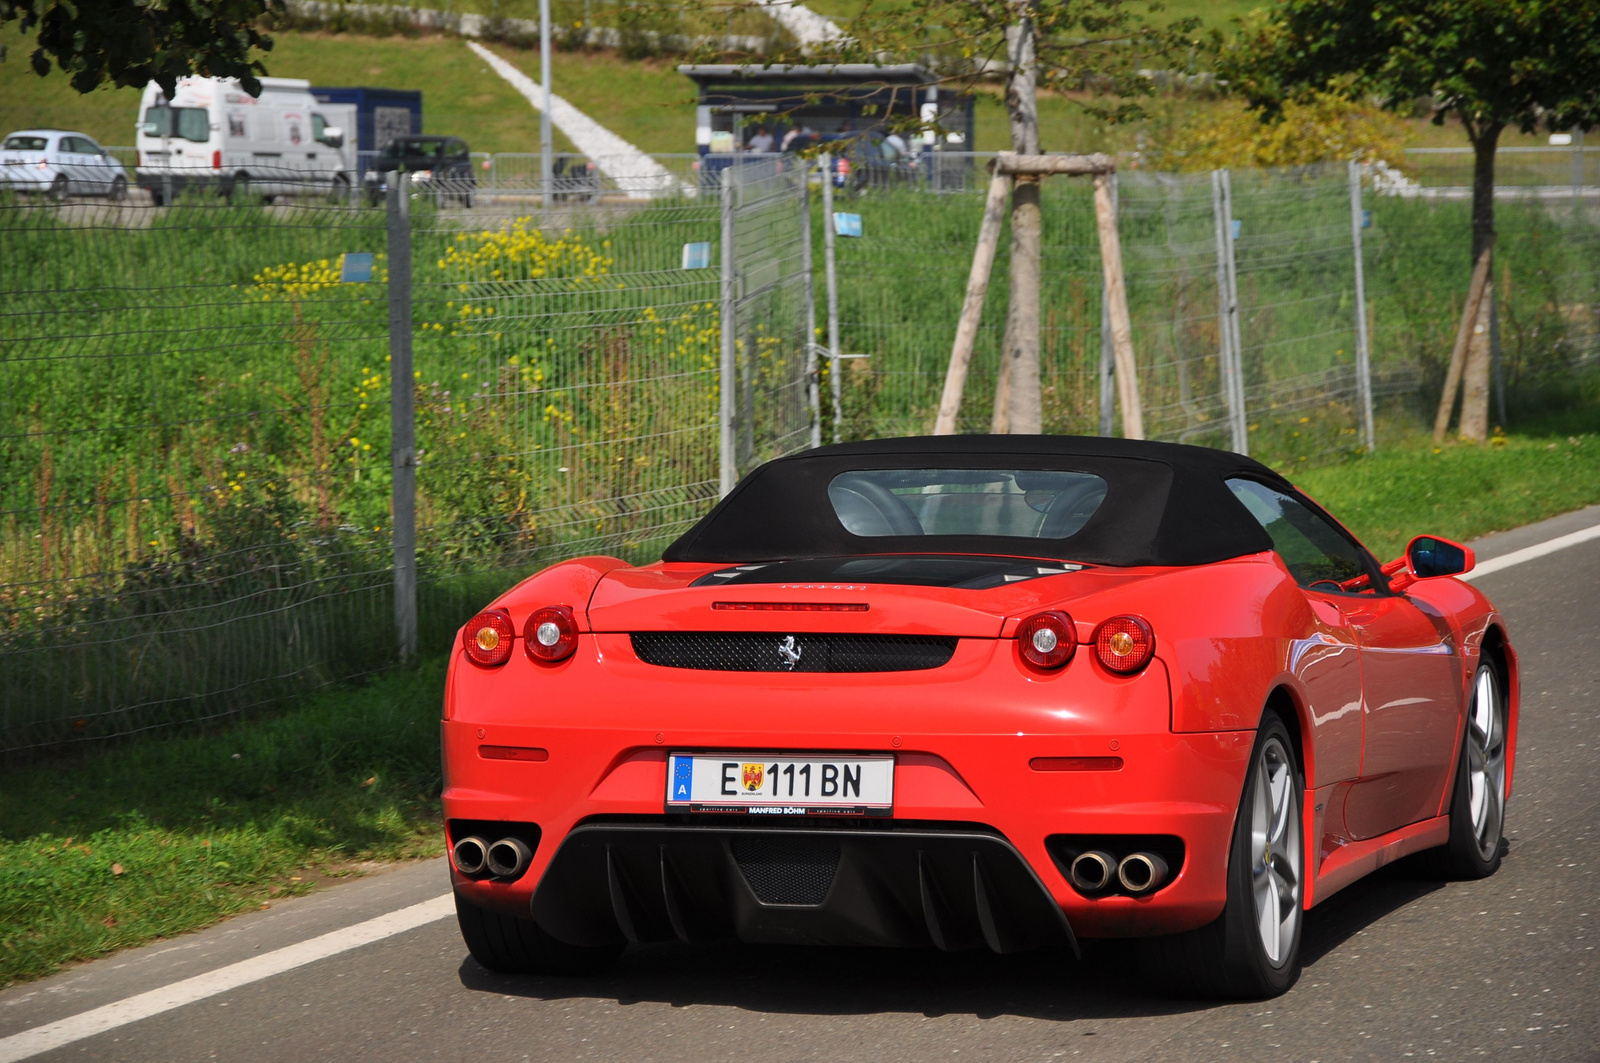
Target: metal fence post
{"type": "Point", "coordinates": [1363, 350]}
{"type": "Point", "coordinates": [727, 379]}
{"type": "Point", "coordinates": [810, 347]}
{"type": "Point", "coordinates": [1228, 312]}
{"type": "Point", "coordinates": [1108, 357]}
{"type": "Point", "coordinates": [402, 419]}
{"type": "Point", "coordinates": [831, 279]}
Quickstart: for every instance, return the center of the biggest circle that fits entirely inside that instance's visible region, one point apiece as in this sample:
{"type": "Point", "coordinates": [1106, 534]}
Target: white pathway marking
{"type": "Point", "coordinates": [1528, 553]}
{"type": "Point", "coordinates": [633, 172]}
{"type": "Point", "coordinates": [142, 1006]}
{"type": "Point", "coordinates": [807, 26]}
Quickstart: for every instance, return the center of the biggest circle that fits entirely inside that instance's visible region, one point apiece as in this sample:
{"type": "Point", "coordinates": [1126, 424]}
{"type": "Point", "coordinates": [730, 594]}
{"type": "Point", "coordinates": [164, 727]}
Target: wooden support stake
{"type": "Point", "coordinates": [1117, 296]}
{"type": "Point", "coordinates": [1458, 356]}
{"type": "Point", "coordinates": [955, 378]}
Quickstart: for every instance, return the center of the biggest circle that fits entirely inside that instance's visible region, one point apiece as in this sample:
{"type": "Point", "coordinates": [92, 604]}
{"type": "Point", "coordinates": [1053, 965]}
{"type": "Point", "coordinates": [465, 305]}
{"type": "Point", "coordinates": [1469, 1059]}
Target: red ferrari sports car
{"type": "Point", "coordinates": [966, 692]}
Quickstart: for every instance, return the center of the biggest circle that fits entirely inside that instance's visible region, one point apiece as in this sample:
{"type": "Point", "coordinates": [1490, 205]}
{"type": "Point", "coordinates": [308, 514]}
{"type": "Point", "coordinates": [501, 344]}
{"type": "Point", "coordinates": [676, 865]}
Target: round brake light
{"type": "Point", "coordinates": [1124, 644]}
{"type": "Point", "coordinates": [551, 634]}
{"type": "Point", "coordinates": [1048, 639]}
{"type": "Point", "coordinates": [487, 638]}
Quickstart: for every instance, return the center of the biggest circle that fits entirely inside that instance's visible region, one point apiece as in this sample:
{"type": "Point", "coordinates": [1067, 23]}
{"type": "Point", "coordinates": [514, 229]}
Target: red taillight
{"type": "Point", "coordinates": [1124, 644]}
{"type": "Point", "coordinates": [1076, 763]}
{"type": "Point", "coordinates": [551, 634]}
{"type": "Point", "coordinates": [1048, 639]}
{"type": "Point", "coordinates": [216, 160]}
{"type": "Point", "coordinates": [487, 639]}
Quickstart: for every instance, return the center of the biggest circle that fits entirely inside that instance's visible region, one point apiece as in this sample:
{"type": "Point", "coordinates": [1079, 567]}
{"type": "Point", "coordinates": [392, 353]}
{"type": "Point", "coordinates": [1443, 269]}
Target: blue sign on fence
{"type": "Point", "coordinates": [1366, 219]}
{"type": "Point", "coordinates": [1237, 228]}
{"type": "Point", "coordinates": [847, 224]}
{"type": "Point", "coordinates": [697, 256]}
{"type": "Point", "coordinates": [355, 267]}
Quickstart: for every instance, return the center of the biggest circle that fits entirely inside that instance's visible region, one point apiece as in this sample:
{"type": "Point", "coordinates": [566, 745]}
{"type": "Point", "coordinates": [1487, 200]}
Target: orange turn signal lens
{"type": "Point", "coordinates": [488, 637]}
{"type": "Point", "coordinates": [1124, 644]}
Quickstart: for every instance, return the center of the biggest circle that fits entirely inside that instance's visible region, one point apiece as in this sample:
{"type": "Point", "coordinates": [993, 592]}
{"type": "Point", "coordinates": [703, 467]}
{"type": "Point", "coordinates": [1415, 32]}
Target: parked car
{"type": "Point", "coordinates": [968, 692]}
{"type": "Point", "coordinates": [212, 134]}
{"type": "Point", "coordinates": [60, 163]}
{"type": "Point", "coordinates": [434, 165]}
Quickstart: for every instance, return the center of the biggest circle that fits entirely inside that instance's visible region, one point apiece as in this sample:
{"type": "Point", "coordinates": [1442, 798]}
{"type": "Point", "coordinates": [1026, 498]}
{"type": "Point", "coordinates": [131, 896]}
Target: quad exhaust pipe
{"type": "Point", "coordinates": [471, 854]}
{"type": "Point", "coordinates": [1141, 872]}
{"type": "Point", "coordinates": [1096, 871]}
{"type": "Point", "coordinates": [1092, 871]}
{"type": "Point", "coordinates": [506, 858]}
{"type": "Point", "coordinates": [509, 858]}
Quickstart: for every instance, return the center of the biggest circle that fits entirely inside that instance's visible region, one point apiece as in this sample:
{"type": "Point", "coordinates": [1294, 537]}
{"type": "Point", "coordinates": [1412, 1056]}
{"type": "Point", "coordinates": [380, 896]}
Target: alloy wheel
{"type": "Point", "coordinates": [1275, 850]}
{"type": "Point", "coordinates": [1486, 763]}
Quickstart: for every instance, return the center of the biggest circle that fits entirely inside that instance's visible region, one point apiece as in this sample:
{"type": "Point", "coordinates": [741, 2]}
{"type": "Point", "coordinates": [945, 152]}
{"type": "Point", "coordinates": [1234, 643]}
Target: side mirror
{"type": "Point", "coordinates": [149, 129]}
{"type": "Point", "coordinates": [1429, 557]}
{"type": "Point", "coordinates": [333, 136]}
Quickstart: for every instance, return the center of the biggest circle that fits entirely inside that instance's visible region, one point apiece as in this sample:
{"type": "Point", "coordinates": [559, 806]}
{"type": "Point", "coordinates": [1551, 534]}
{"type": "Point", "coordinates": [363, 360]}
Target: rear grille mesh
{"type": "Point", "coordinates": [743, 652]}
{"type": "Point", "coordinates": [796, 870]}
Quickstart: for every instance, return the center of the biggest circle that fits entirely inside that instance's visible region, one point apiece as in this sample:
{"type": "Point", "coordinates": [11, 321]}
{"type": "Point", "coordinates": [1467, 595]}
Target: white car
{"type": "Point", "coordinates": [60, 163]}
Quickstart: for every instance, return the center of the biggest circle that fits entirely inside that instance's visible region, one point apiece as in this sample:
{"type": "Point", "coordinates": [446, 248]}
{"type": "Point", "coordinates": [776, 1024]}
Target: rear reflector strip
{"type": "Point", "coordinates": [1076, 763]}
{"type": "Point", "coordinates": [513, 753]}
{"type": "Point", "coordinates": [793, 607]}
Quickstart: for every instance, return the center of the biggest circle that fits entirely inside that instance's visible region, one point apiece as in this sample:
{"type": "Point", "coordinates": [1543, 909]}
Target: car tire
{"type": "Point", "coordinates": [341, 189]}
{"type": "Point", "coordinates": [520, 946]}
{"type": "Point", "coordinates": [58, 188]}
{"type": "Point", "coordinates": [1241, 954]}
{"type": "Point", "coordinates": [239, 191]}
{"type": "Point", "coordinates": [119, 189]}
{"type": "Point", "coordinates": [1478, 796]}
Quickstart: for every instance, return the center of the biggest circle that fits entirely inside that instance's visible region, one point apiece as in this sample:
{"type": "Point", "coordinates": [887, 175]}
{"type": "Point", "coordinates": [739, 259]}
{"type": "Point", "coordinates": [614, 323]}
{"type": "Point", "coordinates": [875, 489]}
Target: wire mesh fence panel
{"type": "Point", "coordinates": [194, 506]}
{"type": "Point", "coordinates": [566, 389]}
{"type": "Point", "coordinates": [1552, 168]}
{"type": "Point", "coordinates": [1295, 261]}
{"type": "Point", "coordinates": [1546, 288]}
{"type": "Point", "coordinates": [768, 300]}
{"type": "Point", "coordinates": [901, 285]}
{"type": "Point", "coordinates": [1168, 226]}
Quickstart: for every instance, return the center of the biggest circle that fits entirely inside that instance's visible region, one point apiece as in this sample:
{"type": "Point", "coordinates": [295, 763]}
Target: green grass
{"type": "Point", "coordinates": [645, 102]}
{"type": "Point", "coordinates": [1550, 465]}
{"type": "Point", "coordinates": [460, 94]}
{"type": "Point", "coordinates": [157, 837]}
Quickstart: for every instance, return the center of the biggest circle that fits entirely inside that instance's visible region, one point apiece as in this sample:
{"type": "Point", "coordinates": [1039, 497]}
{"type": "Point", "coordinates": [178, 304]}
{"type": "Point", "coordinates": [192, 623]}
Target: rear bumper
{"type": "Point", "coordinates": [963, 737]}
{"type": "Point", "coordinates": [907, 886]}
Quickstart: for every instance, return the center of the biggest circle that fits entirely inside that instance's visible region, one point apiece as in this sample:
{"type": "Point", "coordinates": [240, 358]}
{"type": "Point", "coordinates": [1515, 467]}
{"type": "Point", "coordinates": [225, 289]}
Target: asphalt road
{"type": "Point", "coordinates": [1396, 967]}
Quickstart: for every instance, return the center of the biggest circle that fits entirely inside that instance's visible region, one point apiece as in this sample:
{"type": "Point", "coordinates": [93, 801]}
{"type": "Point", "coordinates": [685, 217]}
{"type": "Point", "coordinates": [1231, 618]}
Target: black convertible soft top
{"type": "Point", "coordinates": [1165, 503]}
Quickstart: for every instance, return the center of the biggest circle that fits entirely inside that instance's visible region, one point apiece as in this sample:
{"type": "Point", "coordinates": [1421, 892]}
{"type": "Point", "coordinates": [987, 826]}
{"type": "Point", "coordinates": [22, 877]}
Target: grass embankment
{"type": "Point", "coordinates": [153, 838]}
{"type": "Point", "coordinates": [1551, 465]}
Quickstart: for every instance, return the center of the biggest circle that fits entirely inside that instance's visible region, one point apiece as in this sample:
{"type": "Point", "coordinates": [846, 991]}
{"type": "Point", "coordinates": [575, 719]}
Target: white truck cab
{"type": "Point", "coordinates": [213, 134]}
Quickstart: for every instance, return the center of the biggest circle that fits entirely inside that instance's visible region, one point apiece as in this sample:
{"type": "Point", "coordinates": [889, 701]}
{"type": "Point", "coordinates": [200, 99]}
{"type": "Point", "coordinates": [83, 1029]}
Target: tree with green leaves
{"type": "Point", "coordinates": [134, 42]}
{"type": "Point", "coordinates": [1490, 64]}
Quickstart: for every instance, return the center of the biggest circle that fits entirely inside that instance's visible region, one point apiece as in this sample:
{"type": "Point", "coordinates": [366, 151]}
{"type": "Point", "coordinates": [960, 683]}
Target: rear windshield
{"type": "Point", "coordinates": [190, 123]}
{"type": "Point", "coordinates": [427, 149]}
{"type": "Point", "coordinates": [25, 143]}
{"type": "Point", "coordinates": [1016, 503]}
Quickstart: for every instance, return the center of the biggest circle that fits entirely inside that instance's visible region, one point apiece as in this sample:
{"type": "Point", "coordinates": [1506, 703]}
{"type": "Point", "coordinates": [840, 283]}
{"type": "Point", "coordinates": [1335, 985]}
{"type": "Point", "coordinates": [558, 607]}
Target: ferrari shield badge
{"type": "Point", "coordinates": [753, 774]}
{"type": "Point", "coordinates": [789, 652]}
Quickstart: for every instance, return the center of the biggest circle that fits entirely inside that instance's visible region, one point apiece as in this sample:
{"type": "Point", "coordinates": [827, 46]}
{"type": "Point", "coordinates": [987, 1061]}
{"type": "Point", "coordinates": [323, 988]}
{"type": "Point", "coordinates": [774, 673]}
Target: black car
{"type": "Point", "coordinates": [439, 166]}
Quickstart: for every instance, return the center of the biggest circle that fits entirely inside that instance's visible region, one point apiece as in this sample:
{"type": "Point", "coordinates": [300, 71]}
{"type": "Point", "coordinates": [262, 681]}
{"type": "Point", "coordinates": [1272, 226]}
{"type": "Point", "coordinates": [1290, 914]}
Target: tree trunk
{"type": "Point", "coordinates": [1475, 377]}
{"type": "Point", "coordinates": [1017, 389]}
{"type": "Point", "coordinates": [1022, 353]}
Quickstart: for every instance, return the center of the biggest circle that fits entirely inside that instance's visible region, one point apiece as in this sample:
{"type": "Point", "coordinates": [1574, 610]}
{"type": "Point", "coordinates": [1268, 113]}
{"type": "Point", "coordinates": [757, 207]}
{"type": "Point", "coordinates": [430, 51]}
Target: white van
{"type": "Point", "coordinates": [212, 133]}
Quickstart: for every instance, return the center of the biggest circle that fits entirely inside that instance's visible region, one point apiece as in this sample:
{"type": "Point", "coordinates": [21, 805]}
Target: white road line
{"type": "Point", "coordinates": [1528, 553]}
{"type": "Point", "coordinates": [120, 1013]}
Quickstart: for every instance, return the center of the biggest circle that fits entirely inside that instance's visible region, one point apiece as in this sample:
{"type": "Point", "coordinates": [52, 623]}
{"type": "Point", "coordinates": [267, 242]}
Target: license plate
{"type": "Point", "coordinates": [778, 785]}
